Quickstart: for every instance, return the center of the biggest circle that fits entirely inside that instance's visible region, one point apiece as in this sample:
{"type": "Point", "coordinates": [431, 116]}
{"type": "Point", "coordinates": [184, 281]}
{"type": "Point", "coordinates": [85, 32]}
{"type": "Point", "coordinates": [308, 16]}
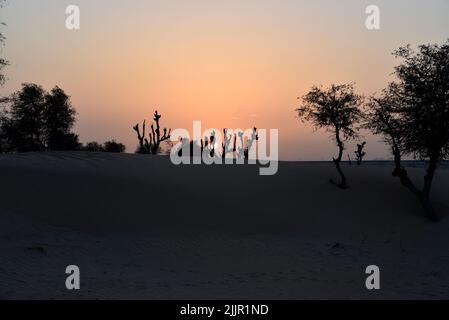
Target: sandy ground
{"type": "Point", "coordinates": [140, 228]}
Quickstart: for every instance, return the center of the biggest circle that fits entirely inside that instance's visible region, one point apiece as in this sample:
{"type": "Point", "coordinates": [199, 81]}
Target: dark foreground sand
{"type": "Point", "coordinates": [139, 227]}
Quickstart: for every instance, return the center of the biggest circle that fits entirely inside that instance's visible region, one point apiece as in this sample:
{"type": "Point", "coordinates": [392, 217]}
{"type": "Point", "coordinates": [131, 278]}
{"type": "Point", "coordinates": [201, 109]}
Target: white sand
{"type": "Point", "coordinates": [139, 227]}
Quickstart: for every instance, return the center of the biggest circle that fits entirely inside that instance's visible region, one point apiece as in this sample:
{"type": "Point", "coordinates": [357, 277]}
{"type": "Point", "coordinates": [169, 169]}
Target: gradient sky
{"type": "Point", "coordinates": [233, 63]}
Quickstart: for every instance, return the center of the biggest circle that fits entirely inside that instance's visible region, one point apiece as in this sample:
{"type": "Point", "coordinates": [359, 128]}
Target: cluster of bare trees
{"type": "Point", "coordinates": [411, 114]}
{"type": "Point", "coordinates": [151, 142]}
{"type": "Point", "coordinates": [233, 143]}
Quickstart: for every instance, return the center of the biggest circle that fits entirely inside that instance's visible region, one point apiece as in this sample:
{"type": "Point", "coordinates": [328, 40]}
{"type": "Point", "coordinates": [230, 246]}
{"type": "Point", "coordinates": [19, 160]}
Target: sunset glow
{"type": "Point", "coordinates": [235, 64]}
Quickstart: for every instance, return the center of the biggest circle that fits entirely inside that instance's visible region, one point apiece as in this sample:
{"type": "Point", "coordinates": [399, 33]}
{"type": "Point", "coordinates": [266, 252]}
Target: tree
{"type": "Point", "coordinates": [413, 114]}
{"type": "Point", "coordinates": [337, 109]}
{"type": "Point", "coordinates": [36, 120]}
{"type": "Point", "coordinates": [59, 118]}
{"type": "Point", "coordinates": [114, 146]}
{"type": "Point", "coordinates": [23, 124]}
{"type": "Point", "coordinates": [156, 137]}
{"type": "Point", "coordinates": [384, 118]}
{"type": "Point", "coordinates": [250, 142]}
{"type": "Point", "coordinates": [144, 145]}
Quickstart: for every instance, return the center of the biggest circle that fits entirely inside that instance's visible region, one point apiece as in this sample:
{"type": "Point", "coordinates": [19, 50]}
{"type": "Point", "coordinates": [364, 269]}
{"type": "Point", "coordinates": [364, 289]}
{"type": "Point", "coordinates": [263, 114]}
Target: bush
{"type": "Point", "coordinates": [113, 146]}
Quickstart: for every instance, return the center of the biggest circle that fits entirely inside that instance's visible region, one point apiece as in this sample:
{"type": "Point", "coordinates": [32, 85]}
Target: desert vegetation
{"type": "Point", "coordinates": [360, 153]}
{"type": "Point", "coordinates": [111, 146]}
{"type": "Point", "coordinates": [151, 144]}
{"type": "Point", "coordinates": [338, 110]}
{"type": "Point", "coordinates": [411, 114]}
{"type": "Point", "coordinates": [33, 119]}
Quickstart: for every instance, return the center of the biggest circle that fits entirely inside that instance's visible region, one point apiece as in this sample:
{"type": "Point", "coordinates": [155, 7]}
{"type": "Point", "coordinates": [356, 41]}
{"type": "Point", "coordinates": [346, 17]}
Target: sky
{"type": "Point", "coordinates": [230, 64]}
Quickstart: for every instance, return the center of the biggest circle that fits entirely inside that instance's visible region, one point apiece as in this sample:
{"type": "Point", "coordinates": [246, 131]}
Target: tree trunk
{"type": "Point", "coordinates": [425, 195]}
{"type": "Point", "coordinates": [337, 160]}
{"type": "Point", "coordinates": [402, 173]}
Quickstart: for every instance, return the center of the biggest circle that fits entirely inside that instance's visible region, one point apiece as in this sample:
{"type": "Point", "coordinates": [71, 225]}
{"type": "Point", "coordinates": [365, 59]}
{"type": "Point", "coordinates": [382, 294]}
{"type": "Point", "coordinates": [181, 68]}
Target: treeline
{"type": "Point", "coordinates": [33, 119]}
{"type": "Point", "coordinates": [411, 114]}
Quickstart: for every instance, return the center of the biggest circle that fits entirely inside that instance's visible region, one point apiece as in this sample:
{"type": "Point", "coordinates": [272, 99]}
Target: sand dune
{"type": "Point", "coordinates": [140, 227]}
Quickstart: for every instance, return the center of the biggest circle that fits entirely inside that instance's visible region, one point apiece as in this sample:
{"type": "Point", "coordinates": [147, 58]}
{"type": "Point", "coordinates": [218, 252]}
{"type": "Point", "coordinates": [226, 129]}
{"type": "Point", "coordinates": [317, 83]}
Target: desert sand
{"type": "Point", "coordinates": [141, 228]}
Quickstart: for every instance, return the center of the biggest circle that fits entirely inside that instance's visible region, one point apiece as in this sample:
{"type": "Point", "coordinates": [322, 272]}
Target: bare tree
{"type": "Point", "coordinates": [156, 137]}
{"type": "Point", "coordinates": [144, 143]}
{"type": "Point", "coordinates": [337, 109]}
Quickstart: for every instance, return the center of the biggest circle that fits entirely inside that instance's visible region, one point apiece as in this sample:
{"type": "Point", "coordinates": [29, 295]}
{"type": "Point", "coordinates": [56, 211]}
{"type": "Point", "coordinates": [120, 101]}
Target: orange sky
{"type": "Point", "coordinates": [235, 64]}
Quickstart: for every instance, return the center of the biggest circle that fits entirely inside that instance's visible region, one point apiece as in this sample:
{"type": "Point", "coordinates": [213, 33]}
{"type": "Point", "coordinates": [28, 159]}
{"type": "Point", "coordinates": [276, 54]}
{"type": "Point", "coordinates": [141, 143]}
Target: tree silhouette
{"type": "Point", "coordinates": [337, 109]}
{"type": "Point", "coordinates": [413, 114]}
{"type": "Point", "coordinates": [93, 146]}
{"type": "Point", "coordinates": [23, 125]}
{"type": "Point", "coordinates": [59, 118]}
{"type": "Point", "coordinates": [35, 120]}
{"type": "Point", "coordinates": [144, 144]}
{"type": "Point", "coordinates": [384, 118]}
{"type": "Point", "coordinates": [156, 137]}
{"type": "Point", "coordinates": [114, 146]}
{"type": "Point", "coordinates": [109, 146]}
{"type": "Point", "coordinates": [250, 142]}
{"type": "Point", "coordinates": [226, 144]}
{"type": "Point", "coordinates": [359, 153]}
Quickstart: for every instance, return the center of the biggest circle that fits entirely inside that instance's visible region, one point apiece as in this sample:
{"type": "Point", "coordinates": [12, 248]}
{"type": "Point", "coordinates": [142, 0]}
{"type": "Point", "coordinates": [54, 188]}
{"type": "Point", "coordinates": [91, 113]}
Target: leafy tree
{"type": "Point", "coordinates": [384, 118]}
{"type": "Point", "coordinates": [337, 110]}
{"type": "Point", "coordinates": [59, 118]}
{"type": "Point", "coordinates": [413, 113]}
{"type": "Point", "coordinates": [23, 125]}
{"type": "Point", "coordinates": [35, 120]}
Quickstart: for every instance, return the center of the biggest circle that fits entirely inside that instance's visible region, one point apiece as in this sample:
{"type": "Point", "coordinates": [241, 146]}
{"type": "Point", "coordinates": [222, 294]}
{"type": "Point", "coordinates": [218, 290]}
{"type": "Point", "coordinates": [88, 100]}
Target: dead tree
{"type": "Point", "coordinates": [250, 142]}
{"type": "Point", "coordinates": [155, 136]}
{"type": "Point", "coordinates": [144, 144]}
{"type": "Point", "coordinates": [226, 143]}
{"type": "Point", "coordinates": [212, 144]}
{"type": "Point", "coordinates": [151, 145]}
